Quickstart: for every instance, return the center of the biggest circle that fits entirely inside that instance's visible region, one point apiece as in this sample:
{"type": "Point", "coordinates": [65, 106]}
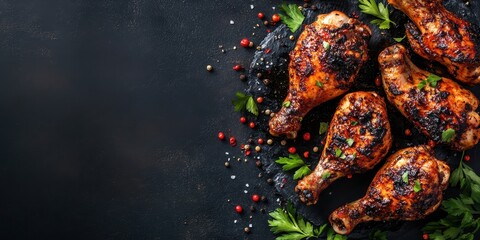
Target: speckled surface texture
{"type": "Point", "coordinates": [109, 122]}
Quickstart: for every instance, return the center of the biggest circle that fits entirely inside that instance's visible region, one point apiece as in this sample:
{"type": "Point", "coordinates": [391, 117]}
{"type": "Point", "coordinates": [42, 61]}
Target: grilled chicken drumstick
{"type": "Point", "coordinates": [327, 58]}
{"type": "Point", "coordinates": [358, 138]}
{"type": "Point", "coordinates": [439, 35]}
{"type": "Point", "coordinates": [434, 108]}
{"type": "Point", "coordinates": [408, 187]}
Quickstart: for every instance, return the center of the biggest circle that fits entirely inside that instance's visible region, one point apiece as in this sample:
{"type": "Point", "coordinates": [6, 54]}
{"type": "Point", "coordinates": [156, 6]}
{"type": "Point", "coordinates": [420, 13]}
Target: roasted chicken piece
{"type": "Point", "coordinates": [327, 58]}
{"type": "Point", "coordinates": [439, 35]}
{"type": "Point", "coordinates": [408, 187]}
{"type": "Point", "coordinates": [358, 138]}
{"type": "Point", "coordinates": [436, 108]}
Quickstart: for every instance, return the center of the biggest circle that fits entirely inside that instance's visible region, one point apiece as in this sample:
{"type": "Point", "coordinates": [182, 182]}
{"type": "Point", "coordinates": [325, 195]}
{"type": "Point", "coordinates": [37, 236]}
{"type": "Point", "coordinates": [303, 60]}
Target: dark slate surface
{"type": "Point", "coordinates": [109, 122]}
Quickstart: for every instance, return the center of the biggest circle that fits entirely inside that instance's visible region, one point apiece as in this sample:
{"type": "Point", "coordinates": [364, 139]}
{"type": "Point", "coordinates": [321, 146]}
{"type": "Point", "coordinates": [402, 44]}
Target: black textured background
{"type": "Point", "coordinates": [109, 121]}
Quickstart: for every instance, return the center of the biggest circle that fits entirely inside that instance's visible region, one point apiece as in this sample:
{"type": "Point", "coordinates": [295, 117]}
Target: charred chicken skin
{"type": "Point", "coordinates": [434, 108]}
{"type": "Point", "coordinates": [408, 187]}
{"type": "Point", "coordinates": [358, 138]}
{"type": "Point", "coordinates": [327, 58]}
{"type": "Point", "coordinates": [439, 35]}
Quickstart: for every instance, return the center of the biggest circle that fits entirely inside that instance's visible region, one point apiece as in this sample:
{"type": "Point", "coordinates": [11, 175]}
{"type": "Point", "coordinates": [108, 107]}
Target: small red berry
{"type": "Point", "coordinates": [467, 158]}
{"type": "Point", "coordinates": [255, 197]}
{"type": "Point", "coordinates": [408, 132]}
{"type": "Point", "coordinates": [251, 125]}
{"type": "Point", "coordinates": [221, 136]}
{"type": "Point", "coordinates": [237, 67]}
{"type": "Point", "coordinates": [306, 136]}
{"type": "Point", "coordinates": [306, 154]}
{"type": "Point", "coordinates": [243, 120]}
{"type": "Point", "coordinates": [260, 15]}
{"type": "Point", "coordinates": [260, 141]}
{"type": "Point", "coordinates": [233, 141]}
{"type": "Point", "coordinates": [292, 150]}
{"type": "Point", "coordinates": [425, 236]}
{"type": "Point", "coordinates": [349, 176]}
{"type": "Point", "coordinates": [245, 42]}
{"type": "Point", "coordinates": [275, 18]}
{"type": "Point", "coordinates": [248, 152]}
{"type": "Point", "coordinates": [431, 143]}
{"type": "Point", "coordinates": [260, 99]}
{"type": "Point", "coordinates": [238, 209]}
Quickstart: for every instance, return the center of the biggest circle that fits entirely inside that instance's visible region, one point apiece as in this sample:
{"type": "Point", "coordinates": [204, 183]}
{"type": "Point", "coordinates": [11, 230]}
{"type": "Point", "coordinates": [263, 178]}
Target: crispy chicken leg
{"type": "Point", "coordinates": [358, 138]}
{"type": "Point", "coordinates": [408, 187]}
{"type": "Point", "coordinates": [327, 58]}
{"type": "Point", "coordinates": [439, 35]}
{"type": "Point", "coordinates": [432, 109]}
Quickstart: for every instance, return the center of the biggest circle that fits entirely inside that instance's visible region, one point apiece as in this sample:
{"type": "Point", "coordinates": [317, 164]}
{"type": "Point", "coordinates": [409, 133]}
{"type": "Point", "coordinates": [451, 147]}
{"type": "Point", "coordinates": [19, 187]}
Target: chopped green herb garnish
{"type": "Point", "coordinates": [338, 152]}
{"type": "Point", "coordinates": [399, 39]}
{"type": "Point", "coordinates": [448, 135]}
{"type": "Point", "coordinates": [350, 141]}
{"type": "Point", "coordinates": [245, 102]}
{"type": "Point", "coordinates": [326, 45]}
{"type": "Point", "coordinates": [286, 104]}
{"type": "Point", "coordinates": [293, 17]}
{"type": "Point", "coordinates": [354, 123]}
{"type": "Point", "coordinates": [431, 80]}
{"type": "Point", "coordinates": [418, 186]}
{"type": "Point", "coordinates": [319, 84]}
{"type": "Point", "coordinates": [405, 177]}
{"type": "Point", "coordinates": [326, 175]}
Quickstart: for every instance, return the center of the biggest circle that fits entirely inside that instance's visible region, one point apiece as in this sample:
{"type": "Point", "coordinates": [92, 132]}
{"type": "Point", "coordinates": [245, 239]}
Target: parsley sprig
{"type": "Point", "coordinates": [463, 212]}
{"type": "Point", "coordinates": [289, 225]}
{"type": "Point", "coordinates": [431, 80]}
{"type": "Point", "coordinates": [379, 11]}
{"type": "Point", "coordinates": [245, 102]}
{"type": "Point", "coordinates": [293, 161]}
{"type": "Point", "coordinates": [293, 17]}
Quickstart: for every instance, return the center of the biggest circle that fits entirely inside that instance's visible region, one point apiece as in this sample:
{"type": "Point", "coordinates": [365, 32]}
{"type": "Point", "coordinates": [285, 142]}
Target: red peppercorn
{"type": "Point", "coordinates": [425, 236]}
{"type": "Point", "coordinates": [408, 132]}
{"type": "Point", "coordinates": [255, 197]}
{"type": "Point", "coordinates": [306, 154]}
{"type": "Point", "coordinates": [243, 120]}
{"type": "Point", "coordinates": [431, 143]}
{"type": "Point", "coordinates": [237, 67]}
{"type": "Point", "coordinates": [275, 18]}
{"type": "Point", "coordinates": [260, 141]}
{"type": "Point", "coordinates": [221, 136]}
{"type": "Point", "coordinates": [245, 42]}
{"type": "Point", "coordinates": [251, 125]}
{"type": "Point", "coordinates": [260, 99]}
{"type": "Point", "coordinates": [306, 136]}
{"type": "Point", "coordinates": [260, 15]}
{"type": "Point", "coordinates": [233, 141]}
{"type": "Point", "coordinates": [378, 81]}
{"type": "Point", "coordinates": [238, 209]}
{"type": "Point", "coordinates": [292, 150]}
{"type": "Point", "coordinates": [467, 158]}
{"type": "Point", "coordinates": [248, 152]}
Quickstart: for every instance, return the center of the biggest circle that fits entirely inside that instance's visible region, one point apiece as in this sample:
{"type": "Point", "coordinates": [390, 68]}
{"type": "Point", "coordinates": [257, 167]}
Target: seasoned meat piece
{"type": "Point", "coordinates": [358, 138]}
{"type": "Point", "coordinates": [408, 187]}
{"type": "Point", "coordinates": [439, 35]}
{"type": "Point", "coordinates": [435, 108]}
{"type": "Point", "coordinates": [324, 64]}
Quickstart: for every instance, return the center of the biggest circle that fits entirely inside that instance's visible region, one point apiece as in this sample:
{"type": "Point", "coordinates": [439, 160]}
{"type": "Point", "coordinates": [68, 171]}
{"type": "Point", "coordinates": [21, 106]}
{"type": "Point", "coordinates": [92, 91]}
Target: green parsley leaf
{"type": "Point", "coordinates": [350, 141]}
{"type": "Point", "coordinates": [405, 177]}
{"type": "Point", "coordinates": [422, 84]}
{"type": "Point", "coordinates": [286, 104]}
{"type": "Point", "coordinates": [286, 223]}
{"type": "Point", "coordinates": [293, 161]}
{"type": "Point", "coordinates": [354, 123]}
{"type": "Point", "coordinates": [245, 102]}
{"type": "Point", "coordinates": [332, 235]}
{"type": "Point", "coordinates": [433, 79]}
{"type": "Point", "coordinates": [379, 11]}
{"type": "Point", "coordinates": [326, 175]}
{"type": "Point", "coordinates": [418, 186]}
{"type": "Point", "coordinates": [448, 135]}
{"type": "Point", "coordinates": [338, 152]}
{"type": "Point", "coordinates": [323, 128]}
{"type": "Point", "coordinates": [326, 45]}
{"type": "Point", "coordinates": [399, 39]}
{"type": "Point", "coordinates": [293, 17]}
{"type": "Point", "coordinates": [319, 84]}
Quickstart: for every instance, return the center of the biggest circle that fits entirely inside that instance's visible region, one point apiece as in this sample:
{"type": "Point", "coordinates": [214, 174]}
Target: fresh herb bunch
{"type": "Point", "coordinates": [380, 11]}
{"type": "Point", "coordinates": [289, 225]}
{"type": "Point", "coordinates": [293, 17]}
{"type": "Point", "coordinates": [463, 212]}
{"type": "Point", "coordinates": [245, 102]}
{"type": "Point", "coordinates": [293, 161]}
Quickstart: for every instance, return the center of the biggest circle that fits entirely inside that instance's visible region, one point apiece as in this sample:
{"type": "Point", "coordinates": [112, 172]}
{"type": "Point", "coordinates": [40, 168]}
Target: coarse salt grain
{"type": "Point", "coordinates": [226, 153]}
{"type": "Point", "coordinates": [233, 177]}
{"type": "Point", "coordinates": [252, 7]}
{"type": "Point", "coordinates": [245, 191]}
{"type": "Point", "coordinates": [247, 185]}
{"type": "Point", "coordinates": [232, 22]}
{"type": "Point", "coordinates": [250, 225]}
{"type": "Point", "coordinates": [234, 221]}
